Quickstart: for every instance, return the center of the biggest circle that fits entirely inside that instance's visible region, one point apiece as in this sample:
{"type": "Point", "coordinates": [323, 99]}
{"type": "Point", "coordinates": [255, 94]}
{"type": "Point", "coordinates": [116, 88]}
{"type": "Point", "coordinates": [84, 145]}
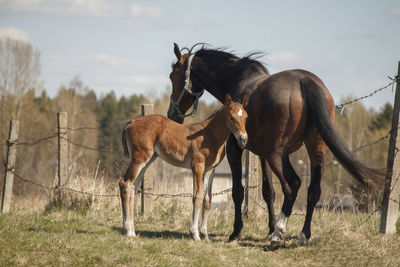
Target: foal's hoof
{"type": "Point", "coordinates": [195, 237]}
{"type": "Point", "coordinates": [130, 234]}
{"type": "Point", "coordinates": [204, 236]}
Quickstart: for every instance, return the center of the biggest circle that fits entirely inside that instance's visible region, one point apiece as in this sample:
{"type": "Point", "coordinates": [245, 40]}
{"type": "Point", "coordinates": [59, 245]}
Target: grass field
{"type": "Point", "coordinates": [61, 236]}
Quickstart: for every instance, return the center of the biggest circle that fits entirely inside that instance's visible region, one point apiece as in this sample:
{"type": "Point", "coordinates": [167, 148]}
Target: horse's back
{"type": "Point", "coordinates": [277, 107]}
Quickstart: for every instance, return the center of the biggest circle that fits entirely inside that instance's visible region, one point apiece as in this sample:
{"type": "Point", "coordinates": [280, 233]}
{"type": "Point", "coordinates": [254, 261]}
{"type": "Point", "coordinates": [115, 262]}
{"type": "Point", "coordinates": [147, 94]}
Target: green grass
{"type": "Point", "coordinates": [69, 237]}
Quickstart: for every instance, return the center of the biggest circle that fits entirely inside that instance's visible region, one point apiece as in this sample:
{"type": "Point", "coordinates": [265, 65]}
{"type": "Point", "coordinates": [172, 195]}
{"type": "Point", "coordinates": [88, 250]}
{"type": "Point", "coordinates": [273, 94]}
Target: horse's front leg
{"type": "Point", "coordinates": [268, 192]}
{"type": "Point", "coordinates": [206, 206]}
{"type": "Point", "coordinates": [198, 194]}
{"type": "Point", "coordinates": [234, 155]}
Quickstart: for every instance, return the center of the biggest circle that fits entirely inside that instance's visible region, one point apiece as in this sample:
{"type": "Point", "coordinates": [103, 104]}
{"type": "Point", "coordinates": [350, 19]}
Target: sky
{"type": "Point", "coordinates": [127, 46]}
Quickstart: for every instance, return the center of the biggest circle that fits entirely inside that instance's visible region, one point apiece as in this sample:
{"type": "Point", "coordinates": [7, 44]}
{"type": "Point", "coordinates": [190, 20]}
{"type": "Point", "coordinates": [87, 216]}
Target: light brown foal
{"type": "Point", "coordinates": [198, 146]}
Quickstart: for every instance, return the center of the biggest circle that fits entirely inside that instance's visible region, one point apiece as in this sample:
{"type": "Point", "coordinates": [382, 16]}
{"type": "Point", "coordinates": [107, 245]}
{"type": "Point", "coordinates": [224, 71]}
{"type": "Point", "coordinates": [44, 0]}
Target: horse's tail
{"type": "Point", "coordinates": [317, 110]}
{"type": "Point", "coordinates": [124, 143]}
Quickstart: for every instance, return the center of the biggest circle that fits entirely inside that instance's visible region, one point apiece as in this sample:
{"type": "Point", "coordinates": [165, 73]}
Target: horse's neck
{"type": "Point", "coordinates": [216, 126]}
{"type": "Point", "coordinates": [244, 82]}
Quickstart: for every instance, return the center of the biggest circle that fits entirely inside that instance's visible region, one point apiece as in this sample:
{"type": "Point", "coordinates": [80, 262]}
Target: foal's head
{"type": "Point", "coordinates": [236, 117]}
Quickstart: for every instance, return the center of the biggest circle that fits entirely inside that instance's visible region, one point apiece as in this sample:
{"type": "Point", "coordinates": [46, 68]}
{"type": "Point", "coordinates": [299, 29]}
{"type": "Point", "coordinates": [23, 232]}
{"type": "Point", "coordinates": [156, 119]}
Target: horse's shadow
{"type": "Point", "coordinates": [157, 234]}
{"type": "Point", "coordinates": [248, 241]}
{"type": "Point", "coordinates": [264, 243]}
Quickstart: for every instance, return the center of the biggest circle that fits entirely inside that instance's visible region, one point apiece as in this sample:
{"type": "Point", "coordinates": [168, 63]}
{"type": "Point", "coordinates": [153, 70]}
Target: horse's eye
{"type": "Point", "coordinates": [231, 118]}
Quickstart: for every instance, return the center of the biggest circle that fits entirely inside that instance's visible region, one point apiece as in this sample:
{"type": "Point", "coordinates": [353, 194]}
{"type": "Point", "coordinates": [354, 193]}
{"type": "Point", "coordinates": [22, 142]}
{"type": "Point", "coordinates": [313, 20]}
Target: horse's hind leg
{"type": "Point", "coordinates": [234, 155]}
{"type": "Point", "coordinates": [316, 149]}
{"type": "Point", "coordinates": [268, 193]}
{"type": "Point", "coordinates": [135, 170]}
{"type": "Point", "coordinates": [290, 186]}
{"type": "Point", "coordinates": [206, 206]}
{"type": "Point", "coordinates": [198, 194]}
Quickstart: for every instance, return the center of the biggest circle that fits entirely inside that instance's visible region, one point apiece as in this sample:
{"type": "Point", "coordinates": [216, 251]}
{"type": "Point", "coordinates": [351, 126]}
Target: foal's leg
{"type": "Point", "coordinates": [290, 186]}
{"type": "Point", "coordinates": [268, 193]}
{"type": "Point", "coordinates": [198, 194]}
{"type": "Point", "coordinates": [316, 150]}
{"type": "Point", "coordinates": [135, 170]}
{"type": "Point", "coordinates": [234, 155]}
{"type": "Point", "coordinates": [206, 206]}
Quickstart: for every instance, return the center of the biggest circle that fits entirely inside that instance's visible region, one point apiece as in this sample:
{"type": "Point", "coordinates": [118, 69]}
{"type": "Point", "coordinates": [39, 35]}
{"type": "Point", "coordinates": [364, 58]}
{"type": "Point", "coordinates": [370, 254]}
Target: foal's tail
{"type": "Point", "coordinates": [124, 143]}
{"type": "Point", "coordinates": [317, 108]}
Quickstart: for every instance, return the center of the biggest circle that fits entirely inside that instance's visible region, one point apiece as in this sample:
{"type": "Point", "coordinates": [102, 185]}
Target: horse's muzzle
{"type": "Point", "coordinates": [241, 139]}
{"type": "Point", "coordinates": [174, 117]}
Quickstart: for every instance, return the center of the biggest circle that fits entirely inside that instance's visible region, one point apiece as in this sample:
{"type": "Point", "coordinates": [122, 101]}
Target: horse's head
{"type": "Point", "coordinates": [184, 91]}
{"type": "Point", "coordinates": [236, 117]}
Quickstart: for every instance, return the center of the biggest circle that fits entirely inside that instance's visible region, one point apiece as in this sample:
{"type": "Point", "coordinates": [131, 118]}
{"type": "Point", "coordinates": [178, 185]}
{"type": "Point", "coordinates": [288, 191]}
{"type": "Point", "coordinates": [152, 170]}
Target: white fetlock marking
{"type": "Point", "coordinates": [128, 226]}
{"type": "Point", "coordinates": [131, 233]}
{"type": "Point", "coordinates": [280, 228]}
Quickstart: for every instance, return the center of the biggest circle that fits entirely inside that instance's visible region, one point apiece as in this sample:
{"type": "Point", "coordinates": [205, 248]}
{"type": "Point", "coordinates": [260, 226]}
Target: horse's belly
{"type": "Point", "coordinates": [173, 155]}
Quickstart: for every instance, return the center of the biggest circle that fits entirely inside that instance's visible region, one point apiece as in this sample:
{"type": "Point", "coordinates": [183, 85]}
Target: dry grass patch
{"type": "Point", "coordinates": [62, 236]}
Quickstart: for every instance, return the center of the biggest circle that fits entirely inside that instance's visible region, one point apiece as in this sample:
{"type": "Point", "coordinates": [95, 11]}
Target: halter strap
{"type": "Point", "coordinates": [188, 89]}
{"type": "Point", "coordinates": [187, 74]}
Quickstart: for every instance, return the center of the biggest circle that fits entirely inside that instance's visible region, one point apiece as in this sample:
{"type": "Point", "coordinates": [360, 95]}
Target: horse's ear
{"type": "Point", "coordinates": [228, 99]}
{"type": "Point", "coordinates": [245, 100]}
{"type": "Point", "coordinates": [177, 51]}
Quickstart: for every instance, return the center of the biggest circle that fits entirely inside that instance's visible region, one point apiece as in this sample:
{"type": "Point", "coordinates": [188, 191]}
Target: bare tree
{"type": "Point", "coordinates": [19, 73]}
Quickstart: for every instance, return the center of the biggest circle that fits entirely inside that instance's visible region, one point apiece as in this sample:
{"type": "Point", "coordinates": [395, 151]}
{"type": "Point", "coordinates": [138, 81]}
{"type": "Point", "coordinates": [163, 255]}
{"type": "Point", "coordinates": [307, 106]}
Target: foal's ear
{"type": "Point", "coordinates": [228, 99]}
{"type": "Point", "coordinates": [245, 100]}
{"type": "Point", "coordinates": [177, 51]}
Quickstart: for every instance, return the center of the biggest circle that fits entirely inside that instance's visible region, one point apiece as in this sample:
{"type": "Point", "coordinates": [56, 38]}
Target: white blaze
{"type": "Point", "coordinates": [240, 113]}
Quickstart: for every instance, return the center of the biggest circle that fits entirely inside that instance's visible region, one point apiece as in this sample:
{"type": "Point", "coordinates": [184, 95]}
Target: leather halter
{"type": "Point", "coordinates": [187, 88]}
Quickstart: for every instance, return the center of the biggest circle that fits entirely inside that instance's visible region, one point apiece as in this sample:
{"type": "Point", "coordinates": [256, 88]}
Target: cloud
{"type": "Point", "coordinates": [124, 63]}
{"type": "Point", "coordinates": [13, 33]}
{"type": "Point", "coordinates": [112, 60]}
{"type": "Point", "coordinates": [146, 10]}
{"type": "Point", "coordinates": [395, 11]}
{"type": "Point", "coordinates": [284, 58]}
{"type": "Point", "coordinates": [350, 69]}
{"type": "Point", "coordinates": [91, 8]}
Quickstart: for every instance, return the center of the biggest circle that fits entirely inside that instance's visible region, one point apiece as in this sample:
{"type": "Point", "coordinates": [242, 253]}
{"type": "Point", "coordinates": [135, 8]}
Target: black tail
{"type": "Point", "coordinates": [124, 143]}
{"type": "Point", "coordinates": [317, 108]}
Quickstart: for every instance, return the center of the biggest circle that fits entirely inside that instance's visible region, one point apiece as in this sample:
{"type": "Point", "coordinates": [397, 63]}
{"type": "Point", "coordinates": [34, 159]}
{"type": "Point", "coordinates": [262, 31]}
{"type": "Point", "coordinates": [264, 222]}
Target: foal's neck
{"type": "Point", "coordinates": [217, 126]}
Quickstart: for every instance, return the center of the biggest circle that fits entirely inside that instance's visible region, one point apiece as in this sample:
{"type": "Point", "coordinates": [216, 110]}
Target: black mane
{"type": "Point", "coordinates": [220, 57]}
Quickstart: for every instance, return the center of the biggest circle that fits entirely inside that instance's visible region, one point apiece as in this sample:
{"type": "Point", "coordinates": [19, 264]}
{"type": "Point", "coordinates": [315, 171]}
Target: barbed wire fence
{"type": "Point", "coordinates": [158, 195]}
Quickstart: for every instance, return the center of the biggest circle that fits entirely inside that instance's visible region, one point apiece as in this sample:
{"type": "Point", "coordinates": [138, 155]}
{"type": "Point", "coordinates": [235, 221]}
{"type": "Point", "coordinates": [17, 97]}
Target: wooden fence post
{"type": "Point", "coordinates": [10, 167]}
{"type": "Point", "coordinates": [390, 202]}
{"type": "Point", "coordinates": [147, 184]}
{"type": "Point", "coordinates": [252, 178]}
{"type": "Point", "coordinates": [62, 148]}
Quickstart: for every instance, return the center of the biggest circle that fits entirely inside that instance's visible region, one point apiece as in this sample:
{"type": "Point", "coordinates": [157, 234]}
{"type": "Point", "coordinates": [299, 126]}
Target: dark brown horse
{"type": "Point", "coordinates": [285, 110]}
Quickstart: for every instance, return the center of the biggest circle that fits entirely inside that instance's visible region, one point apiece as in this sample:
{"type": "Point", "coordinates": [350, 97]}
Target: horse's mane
{"type": "Point", "coordinates": [217, 56]}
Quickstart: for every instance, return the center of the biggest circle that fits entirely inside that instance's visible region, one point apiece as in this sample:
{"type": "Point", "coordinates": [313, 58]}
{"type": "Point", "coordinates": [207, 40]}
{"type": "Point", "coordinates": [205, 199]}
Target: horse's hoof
{"type": "Point", "coordinates": [234, 237]}
{"type": "Point", "coordinates": [277, 241]}
{"type": "Point", "coordinates": [271, 230]}
{"type": "Point", "coordinates": [303, 241]}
